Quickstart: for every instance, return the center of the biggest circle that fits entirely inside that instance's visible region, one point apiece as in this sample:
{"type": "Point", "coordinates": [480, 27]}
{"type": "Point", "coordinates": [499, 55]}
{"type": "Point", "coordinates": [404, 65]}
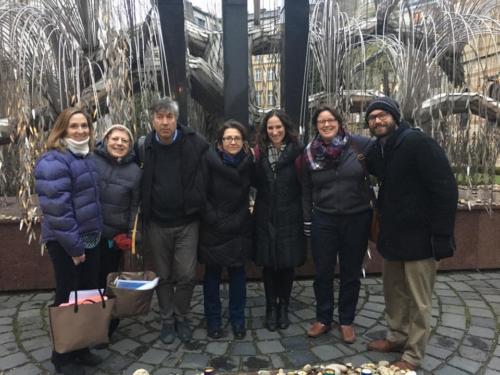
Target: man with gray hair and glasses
{"type": "Point", "coordinates": [173, 196]}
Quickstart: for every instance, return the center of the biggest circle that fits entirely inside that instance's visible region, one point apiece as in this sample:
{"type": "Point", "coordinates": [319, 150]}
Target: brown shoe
{"type": "Point", "coordinates": [347, 333]}
{"type": "Point", "coordinates": [384, 346]}
{"type": "Point", "coordinates": [403, 365]}
{"type": "Point", "coordinates": [317, 329]}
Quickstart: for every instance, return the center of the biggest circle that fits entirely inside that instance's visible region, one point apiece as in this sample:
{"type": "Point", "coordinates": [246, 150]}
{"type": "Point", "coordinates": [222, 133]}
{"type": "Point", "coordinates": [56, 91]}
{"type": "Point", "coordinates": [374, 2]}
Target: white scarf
{"type": "Point", "coordinates": [78, 147]}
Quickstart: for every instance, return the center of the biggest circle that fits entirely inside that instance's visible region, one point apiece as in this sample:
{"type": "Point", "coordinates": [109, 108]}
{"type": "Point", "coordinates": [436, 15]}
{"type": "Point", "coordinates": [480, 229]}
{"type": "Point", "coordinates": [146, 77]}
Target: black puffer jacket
{"type": "Point", "coordinates": [280, 242]}
{"type": "Point", "coordinates": [226, 227]}
{"type": "Point", "coordinates": [341, 190]}
{"type": "Point", "coordinates": [119, 183]}
{"type": "Point", "coordinates": [418, 195]}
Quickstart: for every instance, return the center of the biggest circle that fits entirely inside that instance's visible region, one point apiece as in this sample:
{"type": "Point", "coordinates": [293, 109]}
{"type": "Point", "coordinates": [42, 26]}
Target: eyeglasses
{"type": "Point", "coordinates": [382, 116]}
{"type": "Point", "coordinates": [328, 120]}
{"type": "Point", "coordinates": [232, 139]}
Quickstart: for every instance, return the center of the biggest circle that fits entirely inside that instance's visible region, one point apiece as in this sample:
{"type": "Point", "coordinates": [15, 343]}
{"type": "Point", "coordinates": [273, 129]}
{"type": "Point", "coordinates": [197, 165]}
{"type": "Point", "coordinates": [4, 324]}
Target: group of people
{"type": "Point", "coordinates": [195, 207]}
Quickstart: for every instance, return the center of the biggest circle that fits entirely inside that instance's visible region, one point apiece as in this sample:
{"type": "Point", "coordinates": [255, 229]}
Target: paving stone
{"type": "Point", "coordinates": [327, 352]}
{"type": "Point", "coordinates": [481, 312]}
{"type": "Point", "coordinates": [36, 343]}
{"type": "Point", "coordinates": [293, 330]}
{"type": "Point", "coordinates": [430, 363]}
{"type": "Point", "coordinates": [473, 353]}
{"type": "Point", "coordinates": [217, 348]}
{"type": "Point", "coordinates": [13, 360]}
{"type": "Point", "coordinates": [295, 343]}
{"type": "Point", "coordinates": [494, 363]}
{"type": "Point", "coordinates": [445, 292]}
{"type": "Point", "coordinates": [7, 337]}
{"type": "Point", "coordinates": [277, 361]}
{"type": "Point", "coordinates": [5, 329]}
{"type": "Point", "coordinates": [365, 322]}
{"type": "Point", "coordinates": [267, 347]}
{"type": "Point", "coordinates": [478, 342]}
{"type": "Point", "coordinates": [264, 334]}
{"type": "Point", "coordinates": [306, 314]}
{"type": "Point", "coordinates": [167, 371]}
{"type": "Point", "coordinates": [8, 348]}
{"type": "Point", "coordinates": [369, 314]}
{"type": "Point", "coordinates": [254, 363]}
{"type": "Point", "coordinates": [379, 307]}
{"type": "Point", "coordinates": [450, 332]}
{"type": "Point", "coordinates": [451, 301]}
{"type": "Point", "coordinates": [42, 354]}
{"type": "Point", "coordinates": [438, 352]}
{"type": "Point", "coordinates": [27, 369]}
{"type": "Point", "coordinates": [25, 335]}
{"type": "Point", "coordinates": [300, 358]}
{"type": "Point", "coordinates": [225, 363]}
{"type": "Point", "coordinates": [11, 311]}
{"type": "Point", "coordinates": [194, 361]}
{"type": "Point", "coordinates": [125, 346]}
{"type": "Point", "coordinates": [482, 332]}
{"type": "Point", "coordinates": [465, 364]}
{"type": "Point", "coordinates": [449, 370]}
{"type": "Point", "coordinates": [153, 356]}
{"type": "Point", "coordinates": [242, 348]}
{"type": "Point", "coordinates": [483, 322]}
{"type": "Point", "coordinates": [453, 320]}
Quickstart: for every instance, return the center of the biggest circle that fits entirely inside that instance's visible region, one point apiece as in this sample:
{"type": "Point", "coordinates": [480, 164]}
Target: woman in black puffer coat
{"type": "Point", "coordinates": [226, 228]}
{"type": "Point", "coordinates": [119, 179]}
{"type": "Point", "coordinates": [280, 242]}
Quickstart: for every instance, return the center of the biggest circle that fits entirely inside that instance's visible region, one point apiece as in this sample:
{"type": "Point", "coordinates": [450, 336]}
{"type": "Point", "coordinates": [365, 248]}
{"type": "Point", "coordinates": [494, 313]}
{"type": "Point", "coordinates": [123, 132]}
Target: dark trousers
{"type": "Point", "coordinates": [345, 236]}
{"type": "Point", "coordinates": [68, 277]}
{"type": "Point", "coordinates": [110, 258]}
{"type": "Point", "coordinates": [278, 284]}
{"type": "Point", "coordinates": [237, 296]}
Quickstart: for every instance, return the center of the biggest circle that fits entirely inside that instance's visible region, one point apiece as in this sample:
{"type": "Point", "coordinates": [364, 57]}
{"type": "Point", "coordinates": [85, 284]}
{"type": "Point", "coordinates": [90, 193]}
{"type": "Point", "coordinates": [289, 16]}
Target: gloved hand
{"type": "Point", "coordinates": [307, 228]}
{"type": "Point", "coordinates": [443, 246]}
{"type": "Point", "coordinates": [123, 241]}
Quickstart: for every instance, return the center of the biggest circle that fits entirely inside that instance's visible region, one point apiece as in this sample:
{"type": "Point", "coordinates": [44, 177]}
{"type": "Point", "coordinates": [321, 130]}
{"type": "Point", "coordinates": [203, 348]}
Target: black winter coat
{"type": "Point", "coordinates": [193, 149]}
{"type": "Point", "coordinates": [417, 197]}
{"type": "Point", "coordinates": [119, 183]}
{"type": "Point", "coordinates": [279, 238]}
{"type": "Point", "coordinates": [226, 225]}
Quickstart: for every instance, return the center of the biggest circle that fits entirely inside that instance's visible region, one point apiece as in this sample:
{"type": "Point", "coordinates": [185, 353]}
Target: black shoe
{"type": "Point", "coordinates": [214, 332]}
{"type": "Point", "coordinates": [87, 358]}
{"type": "Point", "coordinates": [283, 321]}
{"type": "Point", "coordinates": [239, 332]}
{"type": "Point", "coordinates": [271, 317]}
{"type": "Point", "coordinates": [102, 346]}
{"type": "Point", "coordinates": [167, 334]}
{"type": "Point", "coordinates": [183, 330]}
{"type": "Point", "coordinates": [70, 369]}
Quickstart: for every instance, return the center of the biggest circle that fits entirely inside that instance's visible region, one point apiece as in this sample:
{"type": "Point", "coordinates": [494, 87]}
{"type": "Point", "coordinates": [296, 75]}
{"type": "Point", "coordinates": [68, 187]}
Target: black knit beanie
{"type": "Point", "coordinates": [386, 104]}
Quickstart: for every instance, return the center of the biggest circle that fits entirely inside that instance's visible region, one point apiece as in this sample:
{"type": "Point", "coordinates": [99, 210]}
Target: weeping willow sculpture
{"type": "Point", "coordinates": [108, 56]}
{"type": "Point", "coordinates": [419, 53]}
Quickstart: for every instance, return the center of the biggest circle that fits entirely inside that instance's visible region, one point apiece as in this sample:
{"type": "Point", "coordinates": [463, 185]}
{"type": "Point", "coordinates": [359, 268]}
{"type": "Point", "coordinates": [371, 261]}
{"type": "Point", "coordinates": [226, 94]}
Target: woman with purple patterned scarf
{"type": "Point", "coordinates": [337, 216]}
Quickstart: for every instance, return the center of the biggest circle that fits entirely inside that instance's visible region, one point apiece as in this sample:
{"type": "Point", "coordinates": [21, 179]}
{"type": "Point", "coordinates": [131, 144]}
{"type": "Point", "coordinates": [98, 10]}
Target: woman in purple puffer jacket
{"type": "Point", "coordinates": [68, 190]}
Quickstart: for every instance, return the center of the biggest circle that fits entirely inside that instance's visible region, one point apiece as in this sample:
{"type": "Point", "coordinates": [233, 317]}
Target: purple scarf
{"type": "Point", "coordinates": [319, 155]}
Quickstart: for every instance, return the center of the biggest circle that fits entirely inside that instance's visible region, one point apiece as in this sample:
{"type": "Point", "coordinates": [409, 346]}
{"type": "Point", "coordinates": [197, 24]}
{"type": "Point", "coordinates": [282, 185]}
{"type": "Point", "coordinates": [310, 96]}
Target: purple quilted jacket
{"type": "Point", "coordinates": [68, 191]}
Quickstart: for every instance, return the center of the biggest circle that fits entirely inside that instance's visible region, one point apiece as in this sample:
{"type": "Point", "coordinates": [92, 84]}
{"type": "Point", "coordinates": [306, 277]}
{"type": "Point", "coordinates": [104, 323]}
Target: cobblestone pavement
{"type": "Point", "coordinates": [464, 340]}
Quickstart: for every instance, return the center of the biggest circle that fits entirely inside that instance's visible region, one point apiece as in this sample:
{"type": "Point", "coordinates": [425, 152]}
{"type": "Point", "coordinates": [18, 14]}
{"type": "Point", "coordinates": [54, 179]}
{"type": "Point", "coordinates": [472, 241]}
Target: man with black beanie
{"type": "Point", "coordinates": [417, 203]}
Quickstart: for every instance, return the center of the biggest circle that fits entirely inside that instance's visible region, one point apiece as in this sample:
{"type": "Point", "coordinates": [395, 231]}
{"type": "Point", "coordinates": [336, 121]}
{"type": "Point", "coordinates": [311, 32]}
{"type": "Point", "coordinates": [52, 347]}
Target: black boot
{"type": "Point", "coordinates": [271, 316]}
{"type": "Point", "coordinates": [283, 321]}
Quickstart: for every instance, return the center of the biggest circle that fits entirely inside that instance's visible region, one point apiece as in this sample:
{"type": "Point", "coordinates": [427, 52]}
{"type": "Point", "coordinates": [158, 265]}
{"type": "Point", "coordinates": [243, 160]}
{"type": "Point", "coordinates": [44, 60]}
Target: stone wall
{"type": "Point", "coordinates": [22, 267]}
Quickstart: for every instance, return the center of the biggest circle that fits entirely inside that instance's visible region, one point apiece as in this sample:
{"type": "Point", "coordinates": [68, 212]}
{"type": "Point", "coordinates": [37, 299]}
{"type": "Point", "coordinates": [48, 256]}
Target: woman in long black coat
{"type": "Point", "coordinates": [226, 228]}
{"type": "Point", "coordinates": [280, 243]}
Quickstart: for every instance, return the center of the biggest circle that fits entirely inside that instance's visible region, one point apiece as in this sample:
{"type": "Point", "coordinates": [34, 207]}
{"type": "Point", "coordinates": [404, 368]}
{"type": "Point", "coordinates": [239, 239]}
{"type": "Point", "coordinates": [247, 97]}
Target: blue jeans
{"type": "Point", "coordinates": [237, 296]}
{"type": "Point", "coordinates": [347, 237]}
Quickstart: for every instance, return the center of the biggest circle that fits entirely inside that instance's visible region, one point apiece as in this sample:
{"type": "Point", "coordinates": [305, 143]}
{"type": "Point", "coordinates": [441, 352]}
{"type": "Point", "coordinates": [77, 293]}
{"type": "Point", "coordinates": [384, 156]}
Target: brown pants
{"type": "Point", "coordinates": [408, 290]}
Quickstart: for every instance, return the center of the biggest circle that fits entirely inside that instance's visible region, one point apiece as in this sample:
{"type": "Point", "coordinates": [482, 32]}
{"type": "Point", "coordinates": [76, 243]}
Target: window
{"type": "Point", "coordinates": [200, 22]}
{"type": "Point", "coordinates": [270, 98]}
{"type": "Point", "coordinates": [258, 75]}
{"type": "Point", "coordinates": [270, 74]}
{"type": "Point", "coordinates": [258, 98]}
